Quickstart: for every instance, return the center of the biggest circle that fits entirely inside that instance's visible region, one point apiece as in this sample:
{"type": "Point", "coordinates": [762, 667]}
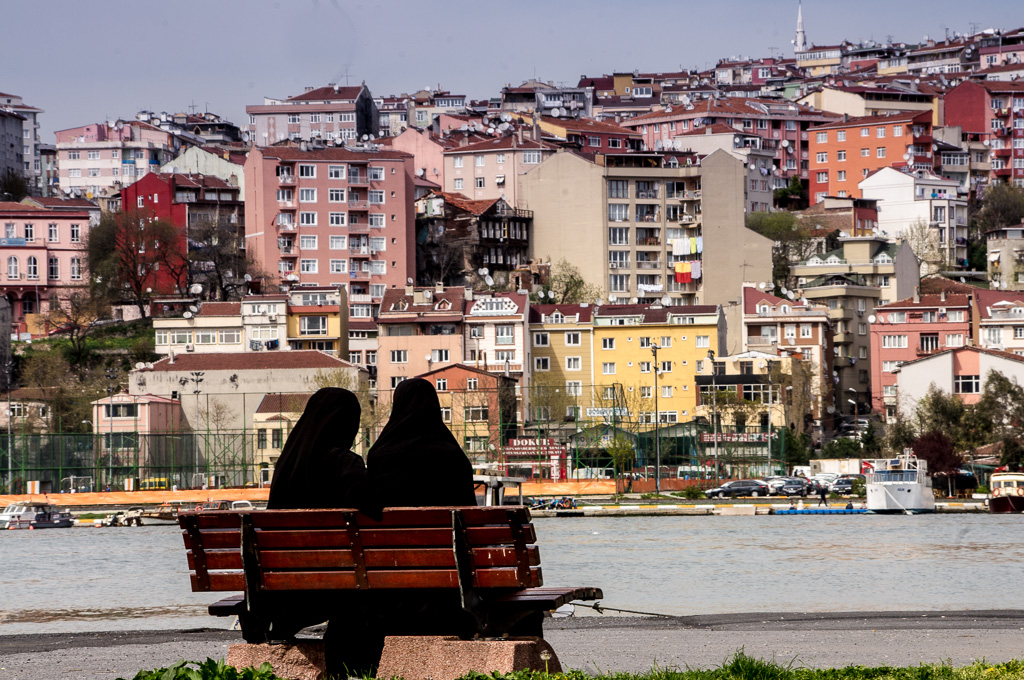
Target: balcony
{"type": "Point", "coordinates": [288, 250]}
{"type": "Point", "coordinates": [357, 204]}
{"type": "Point", "coordinates": [286, 179]}
{"type": "Point", "coordinates": [363, 251]}
{"type": "Point", "coordinates": [648, 264]}
{"type": "Point", "coordinates": [358, 180]}
{"type": "Point", "coordinates": [285, 205]}
{"type": "Point", "coordinates": [761, 341]}
{"type": "Point", "coordinates": [619, 264]}
{"type": "Point", "coordinates": [360, 299]}
{"type": "Point", "coordinates": [359, 275]}
{"type": "Point", "coordinates": [648, 241]}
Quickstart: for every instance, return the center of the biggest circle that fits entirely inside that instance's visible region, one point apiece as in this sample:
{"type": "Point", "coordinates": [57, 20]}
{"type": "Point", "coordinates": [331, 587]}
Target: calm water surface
{"type": "Point", "coordinates": [117, 579]}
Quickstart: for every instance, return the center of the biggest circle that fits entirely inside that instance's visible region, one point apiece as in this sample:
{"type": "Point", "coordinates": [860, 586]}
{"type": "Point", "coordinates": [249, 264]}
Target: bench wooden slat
{"type": "Point", "coordinates": [375, 558]}
{"type": "Point", "coordinates": [218, 560]}
{"type": "Point", "coordinates": [222, 580]}
{"type": "Point", "coordinates": [217, 539]}
{"type": "Point", "coordinates": [394, 517]}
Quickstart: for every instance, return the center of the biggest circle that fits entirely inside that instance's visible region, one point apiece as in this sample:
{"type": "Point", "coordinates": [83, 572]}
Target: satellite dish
{"type": "Point", "coordinates": [831, 409]}
{"type": "Point", "coordinates": [634, 300]}
{"type": "Point", "coordinates": [420, 172]}
{"type": "Point", "coordinates": [599, 301]}
{"type": "Point", "coordinates": [963, 280]}
{"type": "Point", "coordinates": [247, 278]}
{"type": "Point", "coordinates": [555, 112]}
{"type": "Point", "coordinates": [141, 364]}
{"type": "Point", "coordinates": [120, 124]}
{"type": "Point", "coordinates": [193, 309]}
{"type": "Point", "coordinates": [762, 285]}
{"type": "Point", "coordinates": [785, 291]}
{"type": "Point", "coordinates": [365, 137]}
{"type": "Point", "coordinates": [906, 156]}
{"type": "Point", "coordinates": [245, 136]}
{"type": "Point", "coordinates": [551, 294]}
{"type": "Point", "coordinates": [872, 318]}
{"type": "Point", "coordinates": [613, 298]}
{"type": "Point", "coordinates": [485, 271]}
{"type": "Point", "coordinates": [666, 300]}
{"type": "Point", "coordinates": [187, 315]}
{"type": "Point", "coordinates": [293, 277]}
{"type": "Point", "coordinates": [149, 290]}
{"type": "Point", "coordinates": [195, 288]}
{"type": "Point", "coordinates": [489, 281]}
{"type": "Point", "coordinates": [790, 295]}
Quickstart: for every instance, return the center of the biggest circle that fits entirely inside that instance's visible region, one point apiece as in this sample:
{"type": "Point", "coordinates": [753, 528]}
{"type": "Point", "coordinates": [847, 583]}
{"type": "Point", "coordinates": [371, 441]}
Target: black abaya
{"type": "Point", "coordinates": [316, 468]}
{"type": "Point", "coordinates": [416, 461]}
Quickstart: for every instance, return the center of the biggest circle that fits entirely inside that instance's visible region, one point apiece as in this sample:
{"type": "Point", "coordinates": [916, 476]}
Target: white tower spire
{"type": "Point", "coordinates": [800, 41]}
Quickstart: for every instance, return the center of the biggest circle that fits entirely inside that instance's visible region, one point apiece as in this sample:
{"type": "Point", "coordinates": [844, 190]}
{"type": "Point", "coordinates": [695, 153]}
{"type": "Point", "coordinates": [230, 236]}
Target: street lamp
{"type": "Point", "coordinates": [714, 407]}
{"type": "Point", "coordinates": [9, 368]}
{"type": "Point", "coordinates": [195, 377]}
{"type": "Point", "coordinates": [657, 439]}
{"type": "Point", "coordinates": [111, 374]}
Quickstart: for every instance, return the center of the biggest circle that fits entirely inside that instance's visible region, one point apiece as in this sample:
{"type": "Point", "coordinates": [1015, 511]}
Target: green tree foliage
{"type": "Point", "coordinates": [1002, 206]}
{"type": "Point", "coordinates": [568, 285]}
{"type": "Point", "coordinates": [870, 442]}
{"type": "Point", "coordinates": [793, 241]}
{"type": "Point", "coordinates": [791, 195]}
{"type": "Point", "coordinates": [622, 453]}
{"type": "Point", "coordinates": [842, 448]}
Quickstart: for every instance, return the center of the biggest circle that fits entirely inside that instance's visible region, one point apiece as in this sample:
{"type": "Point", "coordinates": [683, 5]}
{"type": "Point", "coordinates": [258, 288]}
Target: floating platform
{"type": "Point", "coordinates": [823, 511]}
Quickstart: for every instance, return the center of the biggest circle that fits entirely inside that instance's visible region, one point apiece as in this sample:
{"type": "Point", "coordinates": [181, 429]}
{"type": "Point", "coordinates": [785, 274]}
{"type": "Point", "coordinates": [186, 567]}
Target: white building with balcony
{"type": "Point", "coordinates": [908, 198]}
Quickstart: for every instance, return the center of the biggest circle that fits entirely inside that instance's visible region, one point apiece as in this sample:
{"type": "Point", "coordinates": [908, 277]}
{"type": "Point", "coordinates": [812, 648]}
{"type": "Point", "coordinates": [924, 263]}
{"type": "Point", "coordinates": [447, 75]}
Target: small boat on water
{"type": "Point", "coordinates": [165, 513]}
{"type": "Point", "coordinates": [899, 485]}
{"type": "Point", "coordinates": [35, 516]}
{"type": "Point", "coordinates": [1007, 492]}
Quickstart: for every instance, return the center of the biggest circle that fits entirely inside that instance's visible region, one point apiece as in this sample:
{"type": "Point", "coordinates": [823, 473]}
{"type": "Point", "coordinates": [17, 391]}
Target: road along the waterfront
{"type": "Point", "coordinates": [598, 645]}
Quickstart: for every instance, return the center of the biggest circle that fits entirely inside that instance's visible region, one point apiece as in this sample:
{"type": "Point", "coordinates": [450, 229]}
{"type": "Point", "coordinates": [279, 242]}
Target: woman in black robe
{"type": "Point", "coordinates": [316, 468]}
{"type": "Point", "coordinates": [416, 461]}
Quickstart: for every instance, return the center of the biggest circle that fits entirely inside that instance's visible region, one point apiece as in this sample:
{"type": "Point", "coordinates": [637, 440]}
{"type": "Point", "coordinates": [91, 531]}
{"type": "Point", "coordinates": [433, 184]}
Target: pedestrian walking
{"type": "Point", "coordinates": [822, 495]}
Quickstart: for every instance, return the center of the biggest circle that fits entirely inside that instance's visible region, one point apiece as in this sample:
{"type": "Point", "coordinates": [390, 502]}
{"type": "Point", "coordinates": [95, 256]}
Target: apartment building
{"type": "Point", "coordinates": [921, 197]}
{"type": "Point", "coordinates": [820, 60]}
{"type": "Point", "coordinates": [495, 333]}
{"type": "Point", "coordinates": [851, 216]}
{"type": "Point", "coordinates": [845, 152]}
{"type": "Point", "coordinates": [478, 407]}
{"type": "Point", "coordinates": [98, 159]}
{"type": "Point", "coordinates": [799, 330]}
{"type": "Point", "coordinates": [965, 158]}
{"type": "Point", "coordinates": [636, 346]}
{"type": "Point", "coordinates": [787, 123]}
{"type": "Point", "coordinates": [1005, 257]}
{"type": "Point", "coordinates": [910, 328]}
{"type": "Point", "coordinates": [321, 114]}
{"type": "Point", "coordinates": [646, 226]}
{"type": "Point", "coordinates": [994, 110]}
{"type": "Point", "coordinates": [332, 216]}
{"type": "Point", "coordinates": [870, 99]}
{"type": "Point", "coordinates": [591, 135]}
{"type": "Point", "coordinates": [561, 345]}
{"type": "Point", "coordinates": [42, 258]}
{"type": "Point", "coordinates": [890, 266]}
{"type": "Point", "coordinates": [24, 120]}
{"type": "Point", "coordinates": [11, 155]}
{"type": "Point", "coordinates": [460, 237]}
{"type": "Point", "coordinates": [223, 162]}
{"type": "Point", "coordinates": [318, 319]}
{"type": "Point", "coordinates": [493, 168]}
{"type": "Point", "coordinates": [997, 319]}
{"type": "Point", "coordinates": [961, 372]}
{"type": "Point", "coordinates": [419, 330]}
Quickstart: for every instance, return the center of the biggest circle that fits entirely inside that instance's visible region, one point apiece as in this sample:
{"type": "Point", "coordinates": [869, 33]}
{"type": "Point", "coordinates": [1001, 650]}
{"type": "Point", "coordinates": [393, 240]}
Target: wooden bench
{"type": "Point", "coordinates": [485, 555]}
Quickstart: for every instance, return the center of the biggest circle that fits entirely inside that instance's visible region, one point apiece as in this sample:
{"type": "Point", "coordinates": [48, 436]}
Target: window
{"type": "Point", "coordinates": [76, 269]}
{"type": "Point", "coordinates": [307, 219]}
{"type": "Point", "coordinates": [929, 342]}
{"type": "Point", "coordinates": [864, 153]}
{"type": "Point", "coordinates": [841, 136]}
{"type": "Point", "coordinates": [74, 155]}
{"type": "Point", "coordinates": [541, 340]}
{"type": "Point", "coordinates": [32, 267]}
{"type": "Point", "coordinates": [822, 177]}
{"type": "Point", "coordinates": [399, 356]}
{"type": "Point", "coordinates": [120, 411]}
{"type": "Point", "coordinates": [880, 133]}
{"type": "Point", "coordinates": [666, 391]}
{"type": "Point", "coordinates": [479, 160]}
{"type": "Point", "coordinates": [572, 339]}
{"type": "Point", "coordinates": [607, 343]}
{"type": "Point", "coordinates": [666, 341]}
{"type": "Point", "coordinates": [608, 368]}
{"type": "Point", "coordinates": [181, 337]}
{"type": "Point", "coordinates": [307, 170]}
{"type": "Point", "coordinates": [376, 174]}
{"type": "Point", "coordinates": [231, 336]}
{"type": "Point", "coordinates": [397, 380]}
{"type": "Point", "coordinates": [54, 233]}
{"type": "Point", "coordinates": [458, 161]}
{"type": "Point", "coordinates": [308, 266]}
{"type": "Point", "coordinates": [822, 137]}
{"type": "Point", "coordinates": [479, 182]}
{"type": "Point", "coordinates": [618, 283]}
{"type": "Point", "coordinates": [307, 242]}
{"type": "Point", "coordinates": [894, 342]}
{"type": "Point", "coordinates": [442, 384]}
{"type": "Point", "coordinates": [53, 268]}
{"type": "Point", "coordinates": [618, 188]}
{"type": "Point", "coordinates": [822, 157]}
{"type": "Point", "coordinates": [805, 330]}
{"type": "Point", "coordinates": [335, 172]}
{"type": "Point", "coordinates": [336, 219]}
{"type": "Point", "coordinates": [966, 384]}
{"type": "Point", "coordinates": [574, 388]}
{"type": "Point", "coordinates": [880, 152]}
{"type": "Point", "coordinates": [476, 413]}
{"type": "Point", "coordinates": [458, 183]}
{"type": "Point", "coordinates": [531, 157]}
{"type": "Point", "coordinates": [646, 392]}
{"type": "Point", "coordinates": [991, 336]}
{"type": "Point", "coordinates": [703, 341]}
{"type": "Point", "coordinates": [336, 195]}
{"type": "Point", "coordinates": [573, 364]}
{"type": "Point", "coordinates": [665, 367]}
{"type": "Point", "coordinates": [841, 155]}
{"type": "Point", "coordinates": [339, 266]}
{"type": "Point", "coordinates": [645, 366]}
{"type": "Point", "coordinates": [472, 383]}
{"type": "Point", "coordinates": [841, 176]}
{"type": "Point", "coordinates": [618, 212]}
{"type": "Point", "coordinates": [499, 159]}
{"type": "Point", "coordinates": [504, 335]}
{"type": "Point", "coordinates": [376, 196]}
{"type": "Point", "coordinates": [541, 364]}
{"type": "Point", "coordinates": [890, 366]}
{"type": "Point", "coordinates": [76, 233]}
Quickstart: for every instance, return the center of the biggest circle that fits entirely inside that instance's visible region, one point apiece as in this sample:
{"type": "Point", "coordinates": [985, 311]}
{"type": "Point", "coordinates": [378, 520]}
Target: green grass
{"type": "Point", "coordinates": [739, 667]}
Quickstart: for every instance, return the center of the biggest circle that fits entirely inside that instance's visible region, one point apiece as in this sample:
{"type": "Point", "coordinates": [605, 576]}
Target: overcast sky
{"type": "Point", "coordinates": [88, 62]}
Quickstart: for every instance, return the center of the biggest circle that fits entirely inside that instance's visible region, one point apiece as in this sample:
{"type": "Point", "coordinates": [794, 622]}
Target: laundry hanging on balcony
{"type": "Point", "coordinates": [700, 245]}
{"type": "Point", "coordinates": [693, 244]}
{"type": "Point", "coordinates": [695, 270]}
{"type": "Point", "coordinates": [682, 271]}
{"type": "Point", "coordinates": [681, 246]}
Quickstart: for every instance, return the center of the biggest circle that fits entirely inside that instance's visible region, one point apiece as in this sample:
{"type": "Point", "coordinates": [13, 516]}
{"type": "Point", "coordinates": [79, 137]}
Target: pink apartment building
{"type": "Point", "coordinates": [491, 168]}
{"type": "Point", "coordinates": [907, 330]}
{"type": "Point", "coordinates": [319, 113]}
{"type": "Point", "coordinates": [334, 216]}
{"type": "Point", "coordinates": [98, 159]}
{"type": "Point", "coordinates": [42, 257]}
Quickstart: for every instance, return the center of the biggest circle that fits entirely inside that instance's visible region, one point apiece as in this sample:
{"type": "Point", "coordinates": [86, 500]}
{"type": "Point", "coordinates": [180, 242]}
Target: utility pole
{"type": "Point", "coordinates": [195, 377]}
{"type": "Point", "coordinates": [111, 374]}
{"type": "Point", "coordinates": [714, 407]}
{"type": "Point", "coordinates": [657, 439]}
{"type": "Point", "coordinates": [9, 368]}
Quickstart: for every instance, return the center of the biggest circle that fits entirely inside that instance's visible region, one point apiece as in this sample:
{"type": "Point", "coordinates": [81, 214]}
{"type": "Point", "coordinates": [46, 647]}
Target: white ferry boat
{"type": "Point", "coordinates": [899, 485]}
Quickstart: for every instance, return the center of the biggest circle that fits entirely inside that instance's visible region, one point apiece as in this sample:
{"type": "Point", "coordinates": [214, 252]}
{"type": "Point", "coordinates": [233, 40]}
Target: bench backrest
{"type": "Point", "coordinates": [482, 548]}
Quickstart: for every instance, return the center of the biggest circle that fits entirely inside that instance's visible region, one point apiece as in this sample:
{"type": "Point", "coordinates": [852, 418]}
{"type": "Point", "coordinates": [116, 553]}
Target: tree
{"type": "Point", "coordinates": [68, 395]}
{"type": "Point", "coordinates": [1001, 415]}
{"type": "Point", "coordinates": [622, 453]}
{"type": "Point", "coordinates": [13, 186]}
{"type": "Point", "coordinates": [791, 195]}
{"type": "Point", "coordinates": [569, 286]}
{"type": "Point", "coordinates": [217, 259]}
{"type": "Point", "coordinates": [924, 243]}
{"type": "Point", "coordinates": [842, 448]}
{"type": "Point", "coordinates": [870, 442]}
{"type": "Point", "coordinates": [937, 449]}
{"type": "Point", "coordinates": [1002, 206]}
{"type": "Point", "coordinates": [793, 241]}
{"type": "Point", "coordinates": [940, 411]}
{"type": "Point", "coordinates": [126, 252]}
{"type": "Point", "coordinates": [74, 316]}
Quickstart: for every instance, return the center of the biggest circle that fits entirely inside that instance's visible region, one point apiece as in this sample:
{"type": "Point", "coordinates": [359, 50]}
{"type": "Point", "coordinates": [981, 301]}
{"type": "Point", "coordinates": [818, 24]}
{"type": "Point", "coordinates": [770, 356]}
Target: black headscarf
{"type": "Point", "coordinates": [416, 462]}
{"type": "Point", "coordinates": [316, 468]}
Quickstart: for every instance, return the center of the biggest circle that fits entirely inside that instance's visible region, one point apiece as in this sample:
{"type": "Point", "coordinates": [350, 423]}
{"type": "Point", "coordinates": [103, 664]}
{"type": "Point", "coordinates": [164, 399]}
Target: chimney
{"type": "Point", "coordinates": [408, 289]}
{"type": "Point", "coordinates": [309, 88]}
{"type": "Point", "coordinates": [439, 287]}
{"type": "Point", "coordinates": [917, 295]}
{"type": "Point", "coordinates": [519, 135]}
{"type": "Point", "coordinates": [942, 296]}
{"type": "Point", "coordinates": [302, 145]}
{"type": "Point", "coordinates": [172, 357]}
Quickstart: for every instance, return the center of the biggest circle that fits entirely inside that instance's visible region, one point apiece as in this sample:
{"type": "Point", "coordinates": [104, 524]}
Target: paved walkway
{"type": "Point", "coordinates": [597, 644]}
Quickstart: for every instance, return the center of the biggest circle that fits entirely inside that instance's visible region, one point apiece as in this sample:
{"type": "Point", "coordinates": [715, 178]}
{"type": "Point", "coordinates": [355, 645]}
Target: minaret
{"type": "Point", "coordinates": [800, 41]}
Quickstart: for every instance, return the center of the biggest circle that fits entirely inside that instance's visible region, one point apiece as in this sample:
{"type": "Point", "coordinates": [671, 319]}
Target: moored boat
{"type": "Point", "coordinates": [899, 485]}
{"type": "Point", "coordinates": [35, 516]}
{"type": "Point", "coordinates": [165, 513]}
{"type": "Point", "coordinates": [1007, 492]}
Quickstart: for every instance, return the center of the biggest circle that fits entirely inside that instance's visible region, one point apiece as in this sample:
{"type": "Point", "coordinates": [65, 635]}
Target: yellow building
{"type": "Point", "coordinates": [318, 319]}
{"type": "Point", "coordinates": [654, 353]}
{"type": "Point", "coordinates": [562, 378]}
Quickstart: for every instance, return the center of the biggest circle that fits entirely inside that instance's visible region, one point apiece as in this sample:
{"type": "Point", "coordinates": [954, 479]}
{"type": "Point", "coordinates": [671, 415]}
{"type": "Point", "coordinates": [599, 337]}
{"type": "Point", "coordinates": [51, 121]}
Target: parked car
{"type": "Point", "coordinates": [775, 485]}
{"type": "Point", "coordinates": [739, 487]}
{"type": "Point", "coordinates": [842, 485]}
{"type": "Point", "coordinates": [795, 486]}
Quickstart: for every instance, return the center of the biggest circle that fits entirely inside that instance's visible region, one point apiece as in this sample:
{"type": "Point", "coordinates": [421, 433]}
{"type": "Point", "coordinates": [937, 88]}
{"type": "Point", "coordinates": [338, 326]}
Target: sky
{"type": "Point", "coordinates": [88, 62]}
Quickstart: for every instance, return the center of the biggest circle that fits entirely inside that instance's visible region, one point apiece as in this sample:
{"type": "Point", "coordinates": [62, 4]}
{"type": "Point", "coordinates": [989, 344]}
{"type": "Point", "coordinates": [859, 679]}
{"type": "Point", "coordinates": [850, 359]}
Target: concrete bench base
{"type": "Point", "coordinates": [447, 658]}
{"type": "Point", "coordinates": [297, 661]}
